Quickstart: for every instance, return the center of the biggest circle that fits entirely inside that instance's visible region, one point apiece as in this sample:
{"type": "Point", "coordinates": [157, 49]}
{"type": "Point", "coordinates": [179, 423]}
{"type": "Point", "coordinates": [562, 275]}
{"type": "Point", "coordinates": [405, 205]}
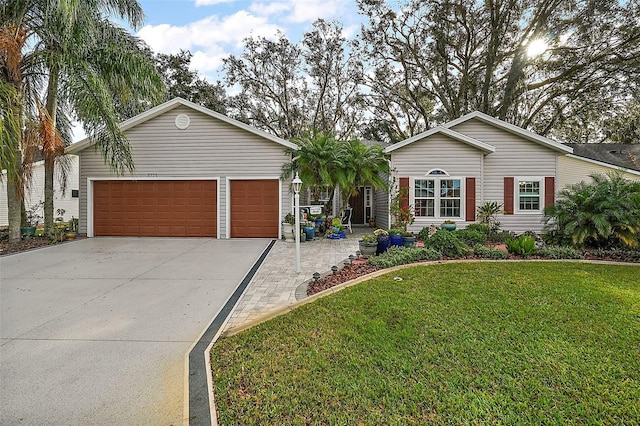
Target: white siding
{"type": "Point", "coordinates": [208, 148]}
{"type": "Point", "coordinates": [573, 170]}
{"type": "Point", "coordinates": [514, 156]}
{"type": "Point", "coordinates": [437, 152]}
{"type": "Point", "coordinates": [35, 193]}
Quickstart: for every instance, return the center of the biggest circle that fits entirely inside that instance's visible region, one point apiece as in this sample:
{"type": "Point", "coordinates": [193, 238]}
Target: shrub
{"type": "Point", "coordinates": [602, 214]}
{"type": "Point", "coordinates": [479, 227]}
{"type": "Point", "coordinates": [500, 237]}
{"type": "Point", "coordinates": [423, 235]}
{"type": "Point", "coordinates": [403, 255]}
{"type": "Point", "coordinates": [396, 231]}
{"type": "Point", "coordinates": [559, 252]}
{"type": "Point", "coordinates": [446, 243]}
{"type": "Point", "coordinates": [523, 245]}
{"type": "Point", "coordinates": [488, 214]}
{"type": "Point", "coordinates": [489, 252]}
{"type": "Point", "coordinates": [623, 255]}
{"type": "Point", "coordinates": [471, 237]}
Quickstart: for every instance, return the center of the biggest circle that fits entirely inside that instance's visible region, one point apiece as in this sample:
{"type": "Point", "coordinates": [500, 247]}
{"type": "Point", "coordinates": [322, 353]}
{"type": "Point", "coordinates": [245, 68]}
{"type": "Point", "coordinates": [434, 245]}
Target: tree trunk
{"type": "Point", "coordinates": [14, 202]}
{"type": "Point", "coordinates": [49, 149]}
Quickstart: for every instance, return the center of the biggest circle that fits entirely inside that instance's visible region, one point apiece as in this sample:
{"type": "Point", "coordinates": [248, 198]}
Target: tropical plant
{"type": "Point", "coordinates": [400, 209]}
{"type": "Point", "coordinates": [524, 245]}
{"type": "Point", "coordinates": [446, 243]}
{"type": "Point", "coordinates": [290, 219]}
{"type": "Point", "coordinates": [602, 213]}
{"type": "Point", "coordinates": [85, 66]}
{"type": "Point", "coordinates": [396, 231]}
{"type": "Point", "coordinates": [488, 214]}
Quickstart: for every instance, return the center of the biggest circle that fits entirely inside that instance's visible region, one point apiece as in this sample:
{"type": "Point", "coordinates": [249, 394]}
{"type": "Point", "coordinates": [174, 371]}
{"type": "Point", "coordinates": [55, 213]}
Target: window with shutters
{"type": "Point", "coordinates": [529, 194]}
{"type": "Point", "coordinates": [438, 198]}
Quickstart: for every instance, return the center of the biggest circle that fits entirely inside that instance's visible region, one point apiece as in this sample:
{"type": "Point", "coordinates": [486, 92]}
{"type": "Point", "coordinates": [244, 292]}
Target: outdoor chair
{"type": "Point", "coordinates": [346, 219]}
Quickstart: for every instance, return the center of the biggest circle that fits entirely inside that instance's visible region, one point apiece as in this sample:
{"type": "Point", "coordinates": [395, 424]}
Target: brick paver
{"type": "Point", "coordinates": [274, 285]}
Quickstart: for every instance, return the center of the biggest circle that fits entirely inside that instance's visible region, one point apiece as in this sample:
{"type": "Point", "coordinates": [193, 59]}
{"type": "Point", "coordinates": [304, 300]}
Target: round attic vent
{"type": "Point", "coordinates": [182, 121]}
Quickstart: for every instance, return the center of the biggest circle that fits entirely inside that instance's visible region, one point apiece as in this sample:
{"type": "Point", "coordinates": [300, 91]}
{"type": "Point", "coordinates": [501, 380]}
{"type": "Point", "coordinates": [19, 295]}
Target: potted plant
{"type": "Point", "coordinates": [309, 230]}
{"type": "Point", "coordinates": [383, 240]}
{"type": "Point", "coordinates": [303, 237]}
{"type": "Point", "coordinates": [395, 237]}
{"type": "Point", "coordinates": [287, 227]}
{"type": "Point", "coordinates": [408, 239]}
{"type": "Point", "coordinates": [449, 225]}
{"type": "Point", "coordinates": [33, 218]}
{"type": "Point", "coordinates": [368, 245]}
{"type": "Point", "coordinates": [336, 224]}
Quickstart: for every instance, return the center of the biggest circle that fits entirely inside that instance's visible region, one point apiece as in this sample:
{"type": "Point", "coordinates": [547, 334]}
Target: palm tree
{"type": "Point", "coordinates": [361, 165]}
{"type": "Point", "coordinates": [322, 161]}
{"type": "Point", "coordinates": [87, 64]}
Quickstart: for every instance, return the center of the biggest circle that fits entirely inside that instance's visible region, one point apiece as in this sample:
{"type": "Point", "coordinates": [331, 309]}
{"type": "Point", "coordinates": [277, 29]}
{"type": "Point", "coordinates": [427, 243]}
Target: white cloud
{"type": "Point", "coordinates": [299, 11]}
{"type": "Point", "coordinates": [210, 39]}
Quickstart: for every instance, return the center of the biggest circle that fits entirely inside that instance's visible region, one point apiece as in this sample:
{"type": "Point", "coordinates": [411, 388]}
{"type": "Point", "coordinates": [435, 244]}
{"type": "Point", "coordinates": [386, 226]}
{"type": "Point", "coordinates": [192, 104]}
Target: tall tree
{"type": "Point", "coordinates": [88, 66]}
{"type": "Point", "coordinates": [185, 83]}
{"type": "Point", "coordinates": [289, 89]}
{"type": "Point", "coordinates": [436, 60]}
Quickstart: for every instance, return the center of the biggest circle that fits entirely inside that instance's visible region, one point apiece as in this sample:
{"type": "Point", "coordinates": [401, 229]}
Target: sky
{"type": "Point", "coordinates": [214, 29]}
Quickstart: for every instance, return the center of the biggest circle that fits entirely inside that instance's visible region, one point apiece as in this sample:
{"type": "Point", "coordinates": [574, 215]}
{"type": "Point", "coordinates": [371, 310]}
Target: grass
{"type": "Point", "coordinates": [471, 343]}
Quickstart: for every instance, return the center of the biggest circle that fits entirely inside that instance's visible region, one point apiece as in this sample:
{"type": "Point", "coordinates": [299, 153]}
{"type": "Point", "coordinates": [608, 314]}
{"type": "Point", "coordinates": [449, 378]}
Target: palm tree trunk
{"type": "Point", "coordinates": [49, 150]}
{"type": "Point", "coordinates": [14, 201]}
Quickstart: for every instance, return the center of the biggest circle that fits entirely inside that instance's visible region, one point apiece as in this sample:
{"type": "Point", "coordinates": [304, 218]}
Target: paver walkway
{"type": "Point", "coordinates": [274, 285]}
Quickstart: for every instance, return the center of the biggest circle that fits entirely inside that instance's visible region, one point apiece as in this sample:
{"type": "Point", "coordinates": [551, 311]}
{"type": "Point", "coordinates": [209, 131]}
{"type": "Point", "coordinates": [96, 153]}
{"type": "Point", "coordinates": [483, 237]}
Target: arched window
{"type": "Point", "coordinates": [437, 172]}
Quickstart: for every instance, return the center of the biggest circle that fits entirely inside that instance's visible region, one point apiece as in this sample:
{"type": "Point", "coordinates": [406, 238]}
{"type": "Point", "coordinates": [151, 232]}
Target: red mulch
{"type": "Point", "coordinates": [348, 273]}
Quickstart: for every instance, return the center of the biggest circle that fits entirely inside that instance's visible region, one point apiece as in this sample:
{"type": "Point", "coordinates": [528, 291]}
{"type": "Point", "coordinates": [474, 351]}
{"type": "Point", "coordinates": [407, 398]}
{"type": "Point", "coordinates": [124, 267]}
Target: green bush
{"type": "Point", "coordinates": [423, 235]}
{"type": "Point", "coordinates": [500, 237]}
{"type": "Point", "coordinates": [623, 255]}
{"type": "Point", "coordinates": [489, 252]}
{"type": "Point", "coordinates": [402, 255]}
{"type": "Point", "coordinates": [479, 227]}
{"type": "Point", "coordinates": [446, 243]}
{"type": "Point", "coordinates": [559, 252]}
{"type": "Point", "coordinates": [523, 245]}
{"type": "Point", "coordinates": [602, 214]}
{"type": "Point", "coordinates": [471, 237]}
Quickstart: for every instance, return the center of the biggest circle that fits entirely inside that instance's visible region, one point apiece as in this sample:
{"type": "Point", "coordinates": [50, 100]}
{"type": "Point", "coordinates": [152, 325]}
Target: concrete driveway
{"type": "Point", "coordinates": [96, 331]}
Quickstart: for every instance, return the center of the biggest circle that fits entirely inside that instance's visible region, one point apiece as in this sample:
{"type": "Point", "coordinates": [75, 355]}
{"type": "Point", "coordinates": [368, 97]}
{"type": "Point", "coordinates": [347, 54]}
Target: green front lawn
{"type": "Point", "coordinates": [467, 343]}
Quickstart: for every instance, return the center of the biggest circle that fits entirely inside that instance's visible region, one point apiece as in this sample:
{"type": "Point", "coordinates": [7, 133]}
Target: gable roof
{"type": "Point", "coordinates": [511, 129]}
{"type": "Point", "coordinates": [448, 132]}
{"type": "Point", "coordinates": [174, 103]}
{"type": "Point", "coordinates": [619, 154]}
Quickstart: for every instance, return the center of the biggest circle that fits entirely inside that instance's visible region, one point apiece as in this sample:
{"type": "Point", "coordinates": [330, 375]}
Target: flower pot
{"type": "Point", "coordinates": [310, 232]}
{"type": "Point", "coordinates": [287, 232]}
{"type": "Point", "coordinates": [409, 241]}
{"type": "Point", "coordinates": [383, 244]}
{"type": "Point", "coordinates": [336, 229]}
{"type": "Point", "coordinates": [303, 237]}
{"type": "Point", "coordinates": [449, 226]}
{"type": "Point", "coordinates": [395, 240]}
{"type": "Point", "coordinates": [27, 231]}
{"type": "Point", "coordinates": [367, 249]}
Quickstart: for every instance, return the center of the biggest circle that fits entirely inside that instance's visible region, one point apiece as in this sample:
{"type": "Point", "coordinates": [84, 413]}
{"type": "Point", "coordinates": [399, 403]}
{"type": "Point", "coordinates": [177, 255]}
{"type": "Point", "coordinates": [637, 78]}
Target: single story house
{"type": "Point", "coordinates": [64, 198]}
{"type": "Point", "coordinates": [197, 173]}
{"type": "Point", "coordinates": [452, 169]}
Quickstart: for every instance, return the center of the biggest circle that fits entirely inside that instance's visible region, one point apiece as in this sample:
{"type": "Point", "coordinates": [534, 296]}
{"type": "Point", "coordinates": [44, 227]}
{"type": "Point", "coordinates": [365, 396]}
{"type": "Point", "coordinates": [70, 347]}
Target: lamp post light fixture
{"type": "Point", "coordinates": [297, 184]}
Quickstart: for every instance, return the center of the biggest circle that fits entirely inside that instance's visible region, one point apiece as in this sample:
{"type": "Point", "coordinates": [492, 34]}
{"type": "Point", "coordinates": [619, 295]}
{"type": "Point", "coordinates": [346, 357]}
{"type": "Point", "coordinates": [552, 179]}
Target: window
{"type": "Point", "coordinates": [75, 193]}
{"type": "Point", "coordinates": [446, 202]}
{"type": "Point", "coordinates": [529, 195]}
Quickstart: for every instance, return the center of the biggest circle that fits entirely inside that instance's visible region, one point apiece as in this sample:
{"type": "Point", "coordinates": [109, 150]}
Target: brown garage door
{"type": "Point", "coordinates": [254, 208]}
{"type": "Point", "coordinates": [155, 208]}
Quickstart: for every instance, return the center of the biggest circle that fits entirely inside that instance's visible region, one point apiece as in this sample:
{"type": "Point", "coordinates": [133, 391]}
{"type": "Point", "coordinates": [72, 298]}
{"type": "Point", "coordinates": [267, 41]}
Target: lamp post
{"type": "Point", "coordinates": [297, 184]}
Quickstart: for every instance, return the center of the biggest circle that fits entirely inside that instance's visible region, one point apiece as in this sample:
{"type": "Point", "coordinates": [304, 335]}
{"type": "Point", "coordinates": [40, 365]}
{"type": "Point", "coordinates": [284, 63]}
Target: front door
{"type": "Point", "coordinates": [357, 204]}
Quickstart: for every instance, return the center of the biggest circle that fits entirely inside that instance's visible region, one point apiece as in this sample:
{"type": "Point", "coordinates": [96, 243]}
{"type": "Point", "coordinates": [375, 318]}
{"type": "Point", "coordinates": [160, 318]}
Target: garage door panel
{"type": "Point", "coordinates": [254, 208]}
{"type": "Point", "coordinates": [155, 208]}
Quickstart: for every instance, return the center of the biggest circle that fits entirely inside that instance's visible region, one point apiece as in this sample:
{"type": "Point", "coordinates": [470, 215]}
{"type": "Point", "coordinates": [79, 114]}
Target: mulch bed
{"type": "Point", "coordinates": [28, 243]}
{"type": "Point", "coordinates": [348, 273]}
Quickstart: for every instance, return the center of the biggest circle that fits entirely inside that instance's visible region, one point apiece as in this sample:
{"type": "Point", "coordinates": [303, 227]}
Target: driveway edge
{"type": "Point", "coordinates": [199, 405]}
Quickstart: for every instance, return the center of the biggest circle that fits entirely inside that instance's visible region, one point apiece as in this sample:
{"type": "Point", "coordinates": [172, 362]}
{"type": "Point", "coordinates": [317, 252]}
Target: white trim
{"type": "Point", "coordinates": [447, 132]}
{"type": "Point", "coordinates": [510, 128]}
{"type": "Point", "coordinates": [436, 207]}
{"type": "Point", "coordinates": [603, 164]}
{"type": "Point", "coordinates": [444, 172]}
{"type": "Point", "coordinates": [89, 200]}
{"type": "Point", "coordinates": [516, 194]}
{"type": "Point", "coordinates": [251, 177]}
{"type": "Point", "coordinates": [168, 106]}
